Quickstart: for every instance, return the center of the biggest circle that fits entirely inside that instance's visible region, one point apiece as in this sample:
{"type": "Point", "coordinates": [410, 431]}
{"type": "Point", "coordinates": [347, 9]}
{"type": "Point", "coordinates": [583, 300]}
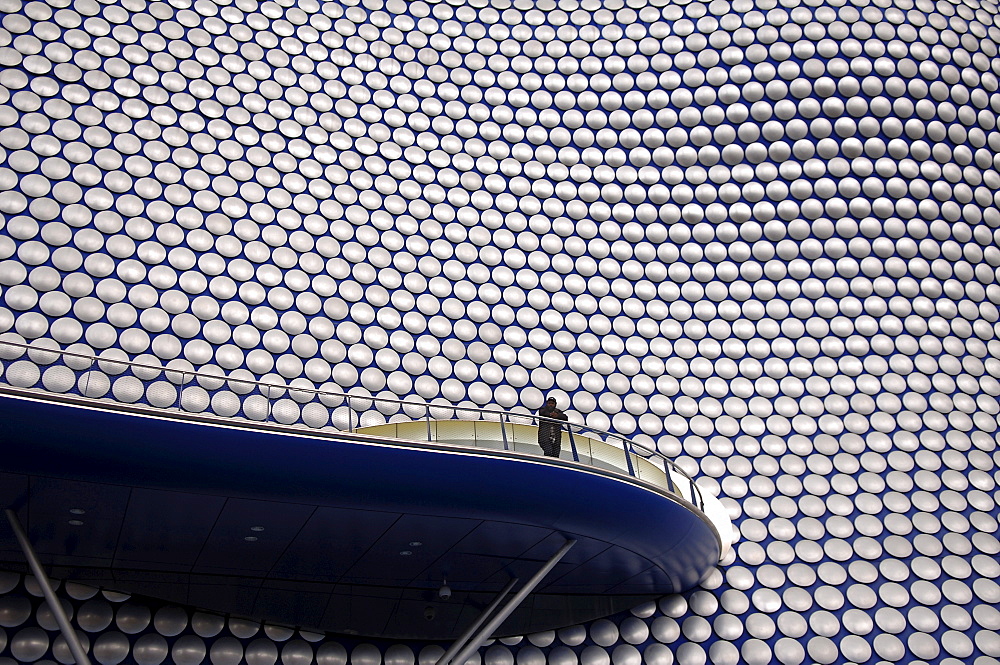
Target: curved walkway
{"type": "Point", "coordinates": [238, 396]}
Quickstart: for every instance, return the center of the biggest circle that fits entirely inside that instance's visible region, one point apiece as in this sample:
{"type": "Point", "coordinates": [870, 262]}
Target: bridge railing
{"type": "Point", "coordinates": [177, 387]}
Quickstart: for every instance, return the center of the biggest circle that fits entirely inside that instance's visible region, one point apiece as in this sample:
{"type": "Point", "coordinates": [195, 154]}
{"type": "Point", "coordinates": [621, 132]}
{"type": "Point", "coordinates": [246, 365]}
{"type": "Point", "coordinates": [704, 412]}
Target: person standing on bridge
{"type": "Point", "coordinates": [549, 432]}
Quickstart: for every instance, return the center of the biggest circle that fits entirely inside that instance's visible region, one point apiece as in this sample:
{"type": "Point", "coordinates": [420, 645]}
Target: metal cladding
{"type": "Point", "coordinates": [760, 236]}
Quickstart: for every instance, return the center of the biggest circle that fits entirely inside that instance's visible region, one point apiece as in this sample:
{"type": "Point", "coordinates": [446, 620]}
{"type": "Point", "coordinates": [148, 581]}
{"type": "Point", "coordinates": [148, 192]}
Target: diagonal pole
{"type": "Point", "coordinates": [79, 655]}
{"type": "Point", "coordinates": [464, 637]}
{"type": "Point", "coordinates": [494, 623]}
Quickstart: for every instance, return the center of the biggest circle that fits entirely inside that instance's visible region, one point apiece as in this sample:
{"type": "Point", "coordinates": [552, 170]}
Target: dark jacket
{"type": "Point", "coordinates": [548, 428]}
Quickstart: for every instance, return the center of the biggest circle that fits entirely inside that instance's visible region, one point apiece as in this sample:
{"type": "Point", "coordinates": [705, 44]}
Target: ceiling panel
{"type": "Point", "coordinates": [271, 526]}
{"type": "Point", "coordinates": [166, 527]}
{"type": "Point", "coordinates": [13, 494]}
{"type": "Point", "coordinates": [91, 530]}
{"type": "Point", "coordinates": [613, 566]}
{"type": "Point", "coordinates": [365, 610]}
{"type": "Point", "coordinates": [330, 542]}
{"type": "Point", "coordinates": [653, 577]}
{"type": "Point", "coordinates": [502, 538]}
{"type": "Point", "coordinates": [434, 536]}
{"type": "Point", "coordinates": [584, 550]}
{"type": "Point", "coordinates": [233, 595]}
{"type": "Point", "coordinates": [433, 615]}
{"type": "Point", "coordinates": [302, 605]}
{"type": "Point", "coordinates": [465, 570]}
{"type": "Point", "coordinates": [166, 585]}
{"type": "Point", "coordinates": [524, 570]}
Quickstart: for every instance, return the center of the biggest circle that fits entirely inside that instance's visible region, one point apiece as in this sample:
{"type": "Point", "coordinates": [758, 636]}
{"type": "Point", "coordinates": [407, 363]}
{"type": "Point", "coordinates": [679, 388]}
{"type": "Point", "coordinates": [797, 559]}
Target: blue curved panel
{"type": "Point", "coordinates": [296, 528]}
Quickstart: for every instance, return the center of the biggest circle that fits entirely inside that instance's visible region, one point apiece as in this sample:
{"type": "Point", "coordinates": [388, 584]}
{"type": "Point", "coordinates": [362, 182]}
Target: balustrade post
{"type": "Point", "coordinates": [86, 384]}
{"type": "Point", "coordinates": [180, 391]}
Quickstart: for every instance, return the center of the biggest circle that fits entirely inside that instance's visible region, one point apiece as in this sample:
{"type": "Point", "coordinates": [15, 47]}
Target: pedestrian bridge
{"type": "Point", "coordinates": [348, 517]}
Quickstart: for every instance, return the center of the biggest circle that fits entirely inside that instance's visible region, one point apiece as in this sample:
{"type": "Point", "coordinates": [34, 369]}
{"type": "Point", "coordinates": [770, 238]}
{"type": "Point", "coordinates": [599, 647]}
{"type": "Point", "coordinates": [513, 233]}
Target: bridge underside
{"type": "Point", "coordinates": [347, 534]}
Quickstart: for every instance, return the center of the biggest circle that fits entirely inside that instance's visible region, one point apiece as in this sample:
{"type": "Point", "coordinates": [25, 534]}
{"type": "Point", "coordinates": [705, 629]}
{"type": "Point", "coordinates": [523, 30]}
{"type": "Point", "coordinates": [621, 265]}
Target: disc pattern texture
{"type": "Point", "coordinates": [760, 236]}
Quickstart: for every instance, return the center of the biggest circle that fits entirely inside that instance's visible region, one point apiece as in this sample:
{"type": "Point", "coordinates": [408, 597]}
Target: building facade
{"type": "Point", "coordinates": [761, 237]}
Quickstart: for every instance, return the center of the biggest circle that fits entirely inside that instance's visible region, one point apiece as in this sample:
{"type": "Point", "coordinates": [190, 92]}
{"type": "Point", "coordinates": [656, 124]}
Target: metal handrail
{"type": "Point", "coordinates": [503, 417]}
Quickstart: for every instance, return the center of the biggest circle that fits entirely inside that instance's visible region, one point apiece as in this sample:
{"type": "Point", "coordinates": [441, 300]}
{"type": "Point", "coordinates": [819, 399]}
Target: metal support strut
{"type": "Point", "coordinates": [79, 655]}
{"type": "Point", "coordinates": [464, 637]}
{"type": "Point", "coordinates": [484, 633]}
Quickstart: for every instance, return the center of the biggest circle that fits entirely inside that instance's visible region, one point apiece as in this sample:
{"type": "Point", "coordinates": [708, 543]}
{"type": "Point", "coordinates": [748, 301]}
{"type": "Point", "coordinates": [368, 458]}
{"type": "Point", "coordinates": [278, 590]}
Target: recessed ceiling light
{"type": "Point", "coordinates": [416, 543]}
{"type": "Point", "coordinates": [77, 511]}
{"type": "Point", "coordinates": [76, 522]}
{"type": "Point", "coordinates": [405, 553]}
{"type": "Point", "coordinates": [256, 528]}
{"type": "Point", "coordinates": [250, 539]}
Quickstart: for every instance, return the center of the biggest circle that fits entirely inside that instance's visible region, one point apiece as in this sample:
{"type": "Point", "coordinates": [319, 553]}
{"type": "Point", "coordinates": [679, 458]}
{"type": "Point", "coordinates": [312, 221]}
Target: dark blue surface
{"type": "Point", "coordinates": [171, 502]}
